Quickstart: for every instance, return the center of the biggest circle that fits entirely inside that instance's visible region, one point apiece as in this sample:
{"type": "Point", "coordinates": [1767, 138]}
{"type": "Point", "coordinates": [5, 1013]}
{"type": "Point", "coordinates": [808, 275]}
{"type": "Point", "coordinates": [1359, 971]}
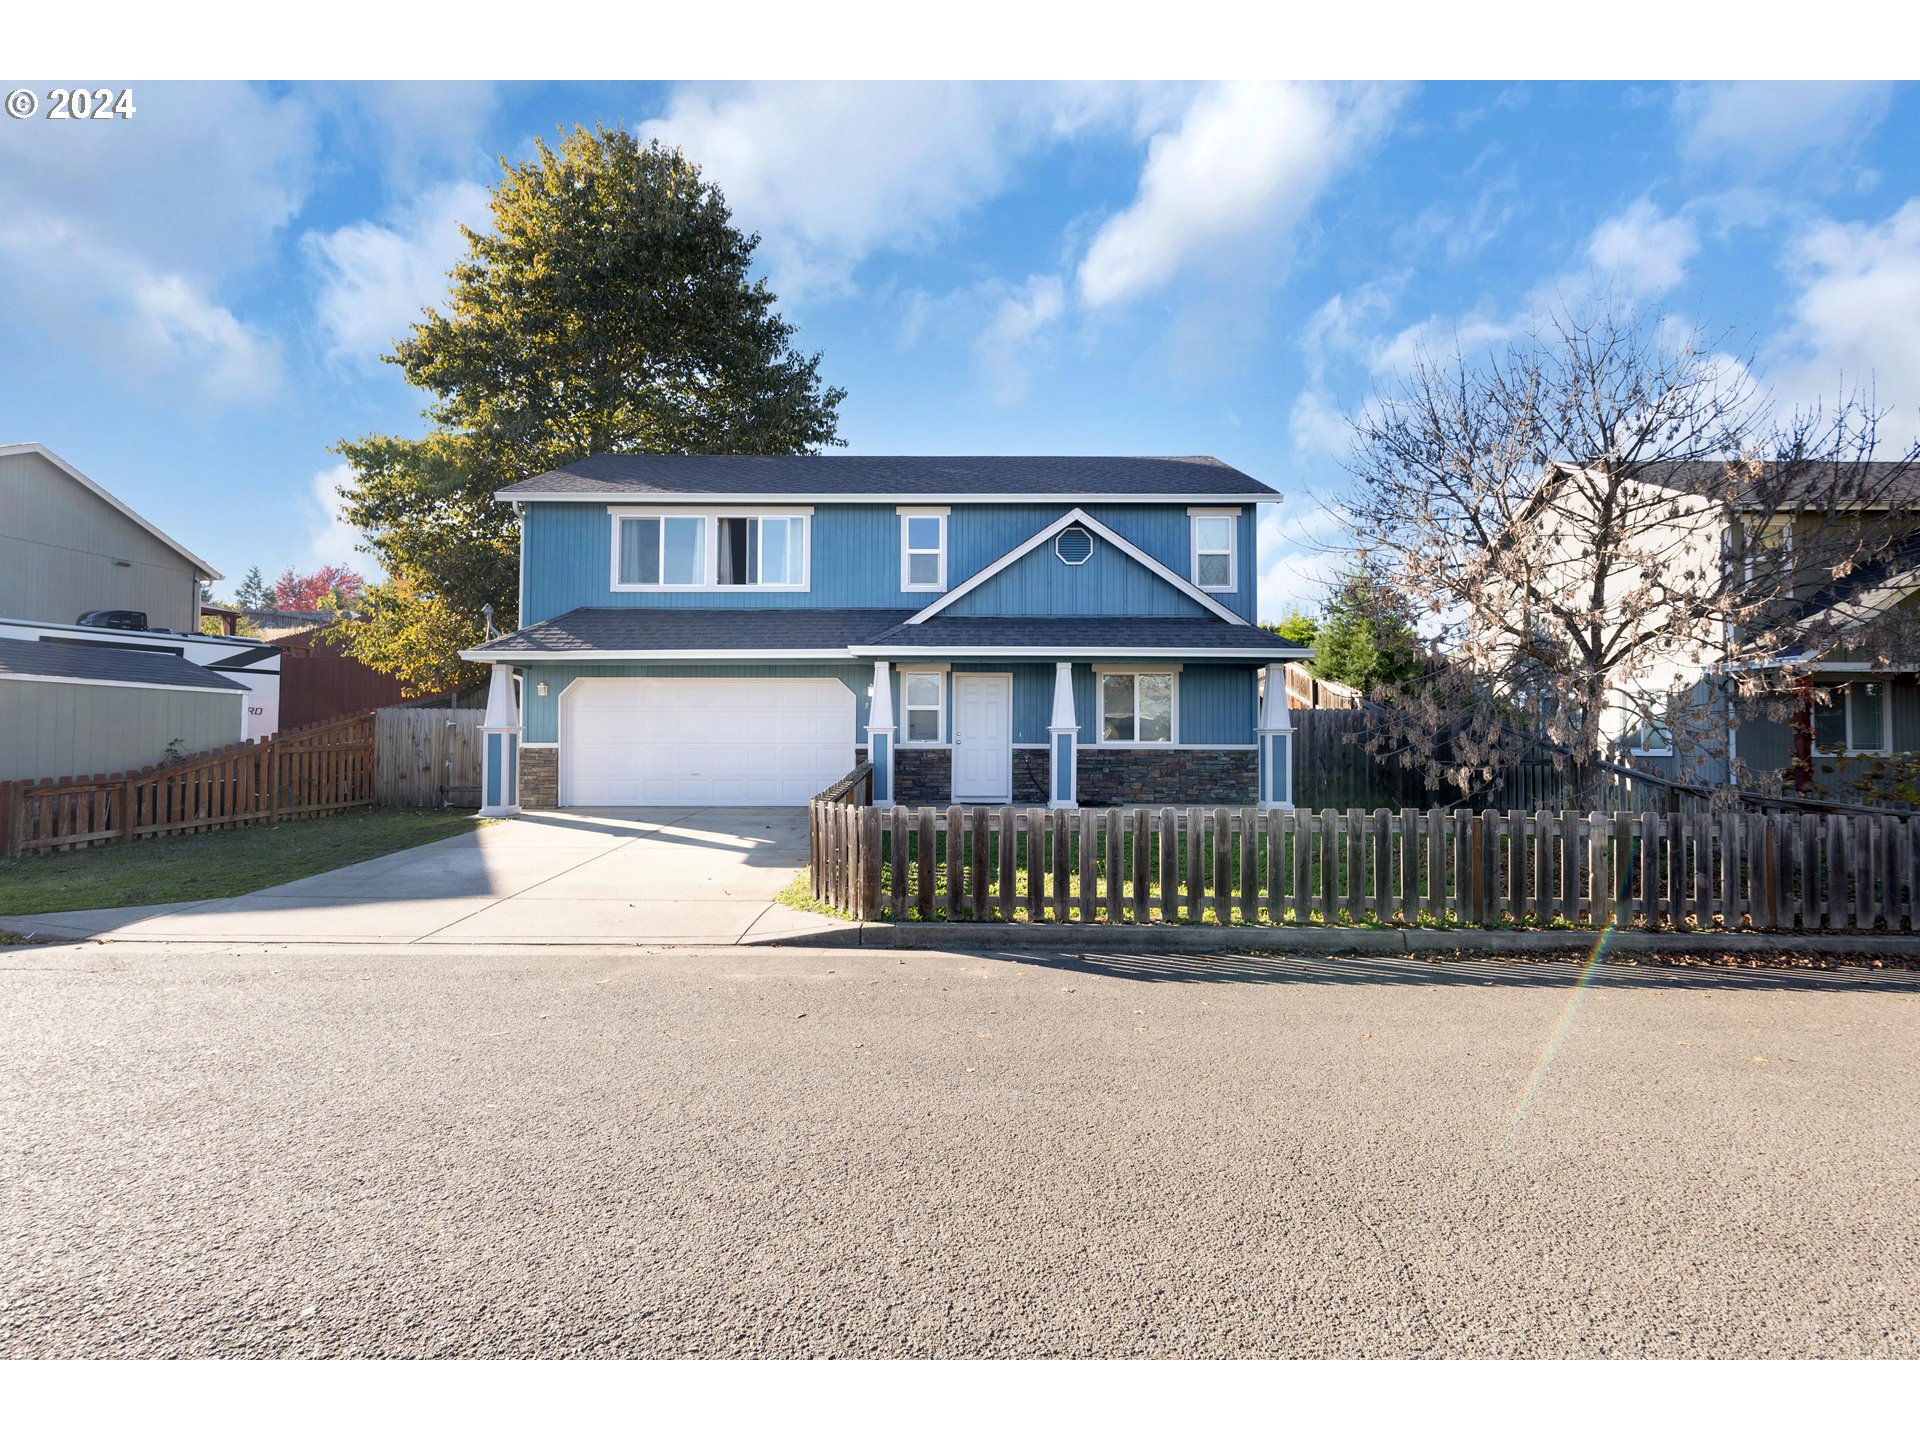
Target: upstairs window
{"type": "Point", "coordinates": [1215, 565]}
{"type": "Point", "coordinates": [923, 549]}
{"type": "Point", "coordinates": [675, 550]}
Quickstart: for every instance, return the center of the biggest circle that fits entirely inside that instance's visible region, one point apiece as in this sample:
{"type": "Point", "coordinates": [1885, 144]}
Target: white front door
{"type": "Point", "coordinates": [983, 737]}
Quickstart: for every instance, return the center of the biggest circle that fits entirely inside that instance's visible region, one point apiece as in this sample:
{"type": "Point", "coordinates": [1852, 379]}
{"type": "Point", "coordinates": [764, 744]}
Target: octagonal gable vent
{"type": "Point", "coordinates": [1073, 545]}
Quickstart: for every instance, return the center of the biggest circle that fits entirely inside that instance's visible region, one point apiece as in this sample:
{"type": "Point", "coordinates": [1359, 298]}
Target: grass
{"type": "Point", "coordinates": [215, 865]}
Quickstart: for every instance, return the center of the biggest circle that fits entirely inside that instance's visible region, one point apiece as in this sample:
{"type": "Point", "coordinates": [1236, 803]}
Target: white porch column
{"type": "Point", "coordinates": [1063, 735]}
{"type": "Point", "coordinates": [500, 747]}
{"type": "Point", "coordinates": [1275, 734]}
{"type": "Point", "coordinates": [880, 732]}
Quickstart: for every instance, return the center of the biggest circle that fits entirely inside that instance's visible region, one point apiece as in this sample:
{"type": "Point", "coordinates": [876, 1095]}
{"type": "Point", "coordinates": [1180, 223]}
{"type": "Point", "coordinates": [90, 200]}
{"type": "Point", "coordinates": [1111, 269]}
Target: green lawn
{"type": "Point", "coordinates": [216, 865]}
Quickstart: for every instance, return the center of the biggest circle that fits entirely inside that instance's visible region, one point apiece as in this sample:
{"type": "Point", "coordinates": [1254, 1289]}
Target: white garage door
{"type": "Point", "coordinates": [703, 742]}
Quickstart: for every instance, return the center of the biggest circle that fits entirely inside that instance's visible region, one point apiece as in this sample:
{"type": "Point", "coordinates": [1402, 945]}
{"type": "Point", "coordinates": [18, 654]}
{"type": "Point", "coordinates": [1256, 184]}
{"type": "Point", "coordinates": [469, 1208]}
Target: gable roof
{"type": "Point", "coordinates": [105, 664]}
{"type": "Point", "coordinates": [1077, 516]}
{"type": "Point", "coordinates": [207, 572]}
{"type": "Point", "coordinates": [1894, 483]}
{"type": "Point", "coordinates": [885, 479]}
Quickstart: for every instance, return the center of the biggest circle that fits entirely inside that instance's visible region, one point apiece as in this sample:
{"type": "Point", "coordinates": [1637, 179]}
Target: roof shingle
{"type": "Point", "coordinates": [124, 664]}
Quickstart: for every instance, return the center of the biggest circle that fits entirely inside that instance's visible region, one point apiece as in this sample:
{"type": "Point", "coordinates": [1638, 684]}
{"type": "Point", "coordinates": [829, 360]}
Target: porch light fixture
{"type": "Point", "coordinates": [540, 689]}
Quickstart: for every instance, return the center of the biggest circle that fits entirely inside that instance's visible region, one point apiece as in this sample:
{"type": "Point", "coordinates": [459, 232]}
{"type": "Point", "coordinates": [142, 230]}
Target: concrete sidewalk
{"type": "Point", "coordinates": [684, 876]}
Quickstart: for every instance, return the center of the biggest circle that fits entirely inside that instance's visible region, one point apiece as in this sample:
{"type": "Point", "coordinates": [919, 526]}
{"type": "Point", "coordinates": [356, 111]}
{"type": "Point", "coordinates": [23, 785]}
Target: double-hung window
{"type": "Point", "coordinates": [1137, 707]}
{"type": "Point", "coordinates": [923, 549]}
{"type": "Point", "coordinates": [1854, 719]}
{"type": "Point", "coordinates": [1215, 565]}
{"type": "Point", "coordinates": [923, 706]}
{"type": "Point", "coordinates": [678, 550]}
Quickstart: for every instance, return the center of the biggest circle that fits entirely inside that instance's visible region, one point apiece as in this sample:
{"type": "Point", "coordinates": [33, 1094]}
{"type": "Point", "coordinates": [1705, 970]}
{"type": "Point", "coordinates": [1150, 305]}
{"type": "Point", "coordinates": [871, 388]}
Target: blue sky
{"type": "Point", "coordinates": [193, 301]}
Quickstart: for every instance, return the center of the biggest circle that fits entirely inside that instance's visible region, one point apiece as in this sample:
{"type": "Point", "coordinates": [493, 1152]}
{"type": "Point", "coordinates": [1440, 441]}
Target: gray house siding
{"type": "Point", "coordinates": [51, 728]}
{"type": "Point", "coordinates": [60, 548]}
{"type": "Point", "coordinates": [1766, 745]}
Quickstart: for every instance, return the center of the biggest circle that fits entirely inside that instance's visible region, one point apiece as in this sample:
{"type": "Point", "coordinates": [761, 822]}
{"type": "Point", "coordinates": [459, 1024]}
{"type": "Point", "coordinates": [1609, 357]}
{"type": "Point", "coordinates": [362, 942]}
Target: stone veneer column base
{"type": "Point", "coordinates": [539, 778]}
{"type": "Point", "coordinates": [1168, 777]}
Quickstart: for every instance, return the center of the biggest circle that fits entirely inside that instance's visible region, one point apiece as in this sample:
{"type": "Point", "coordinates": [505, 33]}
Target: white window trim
{"type": "Point", "coordinates": [1638, 718]}
{"type": "Point", "coordinates": [1784, 528]}
{"type": "Point", "coordinates": [1885, 747]}
{"type": "Point", "coordinates": [711, 537]}
{"type": "Point", "coordinates": [922, 512]}
{"type": "Point", "coordinates": [1196, 513]}
{"type": "Point", "coordinates": [939, 674]}
{"type": "Point", "coordinates": [1100, 741]}
{"type": "Point", "coordinates": [1091, 546]}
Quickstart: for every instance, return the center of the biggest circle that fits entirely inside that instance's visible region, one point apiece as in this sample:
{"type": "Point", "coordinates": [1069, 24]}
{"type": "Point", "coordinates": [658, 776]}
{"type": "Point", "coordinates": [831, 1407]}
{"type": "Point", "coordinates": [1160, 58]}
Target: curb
{"type": "Point", "coordinates": [1337, 940]}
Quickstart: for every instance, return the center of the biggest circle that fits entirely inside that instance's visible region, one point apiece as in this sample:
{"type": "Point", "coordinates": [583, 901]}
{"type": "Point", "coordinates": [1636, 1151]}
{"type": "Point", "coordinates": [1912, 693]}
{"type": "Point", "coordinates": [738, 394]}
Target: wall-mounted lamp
{"type": "Point", "coordinates": [541, 689]}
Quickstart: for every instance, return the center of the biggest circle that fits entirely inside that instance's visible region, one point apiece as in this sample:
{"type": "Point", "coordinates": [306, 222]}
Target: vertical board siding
{"type": "Point", "coordinates": [855, 559]}
{"type": "Point", "coordinates": [1110, 582]}
{"type": "Point", "coordinates": [1728, 871]}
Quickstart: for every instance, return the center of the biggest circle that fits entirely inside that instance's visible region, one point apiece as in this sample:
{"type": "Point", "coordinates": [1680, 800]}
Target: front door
{"type": "Point", "coordinates": [983, 737]}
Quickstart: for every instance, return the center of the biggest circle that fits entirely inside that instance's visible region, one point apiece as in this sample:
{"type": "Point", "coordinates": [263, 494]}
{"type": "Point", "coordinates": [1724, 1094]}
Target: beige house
{"type": "Point", "coordinates": [68, 547]}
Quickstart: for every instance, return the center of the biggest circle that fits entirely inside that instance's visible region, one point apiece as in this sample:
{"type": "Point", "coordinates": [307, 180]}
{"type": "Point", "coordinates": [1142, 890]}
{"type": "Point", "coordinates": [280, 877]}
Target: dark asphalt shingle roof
{"type": "Point", "coordinates": [582, 632]}
{"type": "Point", "coordinates": [1877, 482]}
{"type": "Point", "coordinates": [1075, 476]}
{"type": "Point", "coordinates": [665, 629]}
{"type": "Point", "coordinates": [106, 662]}
{"type": "Point", "coordinates": [1120, 634]}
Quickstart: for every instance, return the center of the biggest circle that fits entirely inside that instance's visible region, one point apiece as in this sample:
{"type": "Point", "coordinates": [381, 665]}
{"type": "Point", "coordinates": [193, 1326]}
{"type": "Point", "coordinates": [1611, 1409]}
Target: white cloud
{"type": "Point", "coordinates": [1014, 338]}
{"type": "Point", "coordinates": [375, 279]}
{"type": "Point", "coordinates": [829, 174]}
{"type": "Point", "coordinates": [1768, 125]}
{"type": "Point", "coordinates": [334, 539]}
{"type": "Point", "coordinates": [1642, 250]}
{"type": "Point", "coordinates": [1858, 311]}
{"type": "Point", "coordinates": [1438, 339]}
{"type": "Point", "coordinates": [116, 239]}
{"type": "Point", "coordinates": [1244, 164]}
{"type": "Point", "coordinates": [1317, 424]}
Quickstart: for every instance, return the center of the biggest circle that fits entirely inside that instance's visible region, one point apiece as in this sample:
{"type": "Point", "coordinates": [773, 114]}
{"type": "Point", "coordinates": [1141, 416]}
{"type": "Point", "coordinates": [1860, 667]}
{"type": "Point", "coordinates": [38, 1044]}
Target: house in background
{"type": "Point", "coordinates": [733, 630]}
{"type": "Point", "coordinates": [93, 698]}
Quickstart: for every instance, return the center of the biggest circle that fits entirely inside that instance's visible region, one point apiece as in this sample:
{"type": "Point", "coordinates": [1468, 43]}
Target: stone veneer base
{"type": "Point", "coordinates": [539, 778]}
{"type": "Point", "coordinates": [1168, 777]}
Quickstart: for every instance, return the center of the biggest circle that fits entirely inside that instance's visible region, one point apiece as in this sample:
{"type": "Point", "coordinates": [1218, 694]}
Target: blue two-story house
{"type": "Point", "coordinates": [744, 630]}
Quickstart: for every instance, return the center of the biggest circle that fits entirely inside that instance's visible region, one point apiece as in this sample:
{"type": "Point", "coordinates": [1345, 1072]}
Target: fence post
{"type": "Point", "coordinates": [15, 816]}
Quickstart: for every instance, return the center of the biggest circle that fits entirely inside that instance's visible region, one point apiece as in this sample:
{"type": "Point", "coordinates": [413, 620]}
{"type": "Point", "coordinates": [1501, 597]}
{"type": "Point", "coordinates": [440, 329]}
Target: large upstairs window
{"type": "Point", "coordinates": [681, 550]}
{"type": "Point", "coordinates": [1215, 563]}
{"type": "Point", "coordinates": [923, 549]}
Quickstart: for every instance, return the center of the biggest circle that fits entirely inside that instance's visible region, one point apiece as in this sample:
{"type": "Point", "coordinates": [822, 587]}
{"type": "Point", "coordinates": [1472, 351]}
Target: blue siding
{"type": "Point", "coordinates": [1217, 702]}
{"type": "Point", "coordinates": [855, 561]}
{"type": "Point", "coordinates": [1109, 583]}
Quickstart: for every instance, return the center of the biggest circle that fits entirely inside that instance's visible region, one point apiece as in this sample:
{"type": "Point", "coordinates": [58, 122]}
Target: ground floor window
{"type": "Point", "coordinates": [923, 701]}
{"type": "Point", "coordinates": [1136, 707]}
{"type": "Point", "coordinates": [1652, 725]}
{"type": "Point", "coordinates": [1852, 718]}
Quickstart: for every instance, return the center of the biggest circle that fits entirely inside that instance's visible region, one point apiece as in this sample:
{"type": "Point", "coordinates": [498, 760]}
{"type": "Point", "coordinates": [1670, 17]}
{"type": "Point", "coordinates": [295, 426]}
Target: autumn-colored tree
{"type": "Point", "coordinates": [331, 587]}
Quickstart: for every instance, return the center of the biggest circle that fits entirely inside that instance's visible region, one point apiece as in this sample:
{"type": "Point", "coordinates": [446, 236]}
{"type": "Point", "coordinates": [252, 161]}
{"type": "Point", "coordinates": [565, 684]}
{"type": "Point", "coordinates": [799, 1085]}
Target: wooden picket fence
{"type": "Point", "coordinates": [317, 770]}
{"type": "Point", "coordinates": [1730, 870]}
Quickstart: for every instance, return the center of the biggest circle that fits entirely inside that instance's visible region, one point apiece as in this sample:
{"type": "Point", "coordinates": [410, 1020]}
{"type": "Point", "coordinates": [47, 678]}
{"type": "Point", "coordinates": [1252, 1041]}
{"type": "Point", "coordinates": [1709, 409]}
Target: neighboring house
{"type": "Point", "coordinates": [1837, 701]}
{"type": "Point", "coordinates": [739, 630]}
{"type": "Point", "coordinates": [92, 710]}
{"type": "Point", "coordinates": [67, 547]}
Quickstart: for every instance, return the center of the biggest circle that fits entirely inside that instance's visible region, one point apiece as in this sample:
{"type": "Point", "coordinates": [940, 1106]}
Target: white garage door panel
{"type": "Point", "coordinates": [703, 742]}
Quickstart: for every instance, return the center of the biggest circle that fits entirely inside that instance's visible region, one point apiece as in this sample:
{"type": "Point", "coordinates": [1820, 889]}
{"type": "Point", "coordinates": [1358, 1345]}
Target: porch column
{"type": "Point", "coordinates": [1275, 734]}
{"type": "Point", "coordinates": [880, 735]}
{"type": "Point", "coordinates": [500, 747]}
{"type": "Point", "coordinates": [1063, 735]}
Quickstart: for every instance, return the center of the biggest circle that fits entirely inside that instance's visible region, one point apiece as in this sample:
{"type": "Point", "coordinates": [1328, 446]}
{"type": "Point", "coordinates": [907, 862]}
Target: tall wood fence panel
{"type": "Point", "coordinates": [427, 756]}
{"type": "Point", "coordinates": [297, 773]}
{"type": "Point", "coordinates": [1727, 870]}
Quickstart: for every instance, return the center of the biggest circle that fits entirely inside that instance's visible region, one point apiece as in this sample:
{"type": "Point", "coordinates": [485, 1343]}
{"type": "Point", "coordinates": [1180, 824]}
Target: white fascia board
{"type": "Point", "coordinates": [1118, 654]}
{"type": "Point", "coordinates": [35, 448]}
{"type": "Point", "coordinates": [237, 693]}
{"type": "Point", "coordinates": [889, 497]}
{"type": "Point", "coordinates": [1077, 516]}
{"type": "Point", "coordinates": [595, 657]}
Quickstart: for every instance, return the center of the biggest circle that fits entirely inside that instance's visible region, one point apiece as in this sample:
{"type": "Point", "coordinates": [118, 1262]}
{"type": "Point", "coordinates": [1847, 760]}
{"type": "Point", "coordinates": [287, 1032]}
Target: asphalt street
{"type": "Point", "coordinates": [265, 1151]}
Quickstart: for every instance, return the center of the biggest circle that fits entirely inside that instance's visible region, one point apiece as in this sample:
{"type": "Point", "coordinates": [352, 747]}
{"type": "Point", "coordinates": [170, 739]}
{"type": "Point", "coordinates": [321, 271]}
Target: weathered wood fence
{"type": "Point", "coordinates": [427, 756]}
{"type": "Point", "coordinates": [297, 773]}
{"type": "Point", "coordinates": [1794, 873]}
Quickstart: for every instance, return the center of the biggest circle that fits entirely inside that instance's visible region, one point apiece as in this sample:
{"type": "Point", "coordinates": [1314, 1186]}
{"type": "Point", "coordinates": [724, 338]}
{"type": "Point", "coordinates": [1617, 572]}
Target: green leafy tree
{"type": "Point", "coordinates": [1296, 627]}
{"type": "Point", "coordinates": [1366, 639]}
{"type": "Point", "coordinates": [611, 308]}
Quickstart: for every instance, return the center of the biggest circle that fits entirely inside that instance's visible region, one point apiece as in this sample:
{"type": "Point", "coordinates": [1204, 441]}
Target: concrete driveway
{"type": "Point", "coordinates": [684, 875]}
